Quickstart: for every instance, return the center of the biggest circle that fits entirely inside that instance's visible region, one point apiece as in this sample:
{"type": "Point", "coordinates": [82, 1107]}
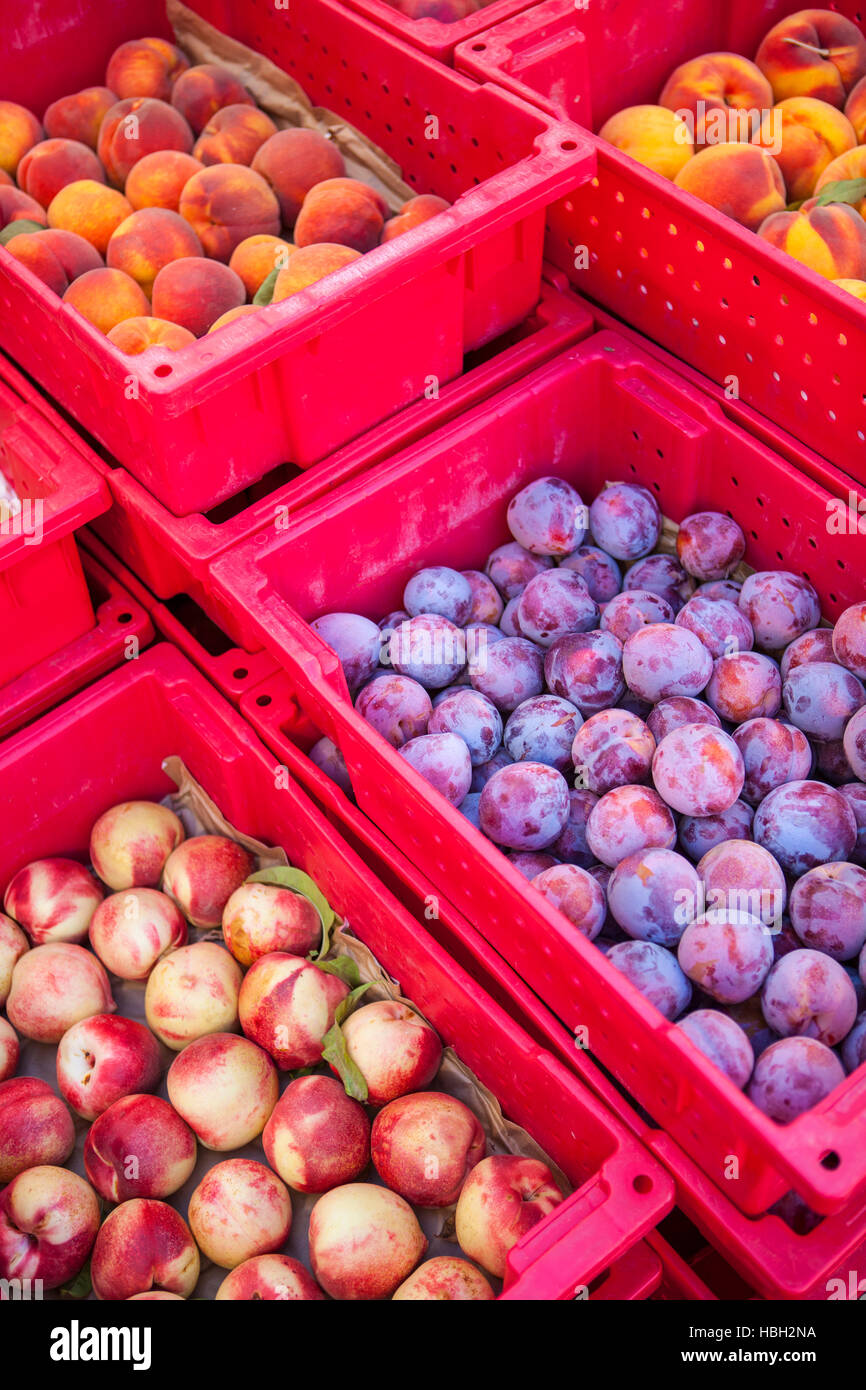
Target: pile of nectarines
{"type": "Point", "coordinates": [160, 204]}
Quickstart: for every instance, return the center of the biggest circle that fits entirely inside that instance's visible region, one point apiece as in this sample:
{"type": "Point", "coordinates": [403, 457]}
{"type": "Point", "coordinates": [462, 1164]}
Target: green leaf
{"type": "Point", "coordinates": [265, 292]}
{"type": "Point", "coordinates": [18, 228]}
{"type": "Point", "coordinates": [336, 1053]}
{"type": "Point", "coordinates": [842, 191]}
{"type": "Point", "coordinates": [80, 1286]}
{"type": "Point", "coordinates": [296, 881]}
{"type": "Point", "coordinates": [344, 967]}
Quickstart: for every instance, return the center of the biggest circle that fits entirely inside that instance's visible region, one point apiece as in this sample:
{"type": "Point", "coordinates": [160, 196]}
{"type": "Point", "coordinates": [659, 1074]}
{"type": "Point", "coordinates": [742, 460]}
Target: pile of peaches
{"type": "Point", "coordinates": [777, 144]}
{"type": "Point", "coordinates": [167, 203]}
{"type": "Point", "coordinates": [230, 1017]}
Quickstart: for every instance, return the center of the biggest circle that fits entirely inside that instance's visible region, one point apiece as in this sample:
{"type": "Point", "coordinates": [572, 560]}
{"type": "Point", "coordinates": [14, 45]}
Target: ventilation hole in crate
{"type": "Point", "coordinates": [831, 1160]}
{"type": "Point", "coordinates": [734, 481]}
{"type": "Point", "coordinates": [593, 183]}
{"type": "Point", "coordinates": [430, 154]}
{"type": "Point", "coordinates": [779, 555]}
{"type": "Point", "coordinates": [669, 306]}
{"type": "Point", "coordinates": [643, 253]}
{"type": "Point", "coordinates": [776, 376]}
{"type": "Point", "coordinates": [263, 700]}
{"type": "Point", "coordinates": [453, 168]}
{"type": "Point", "coordinates": [645, 212]}
{"type": "Point", "coordinates": [832, 598]}
{"type": "Point", "coordinates": [860, 435]}
{"type": "Point", "coordinates": [568, 145]}
{"type": "Point", "coordinates": [807, 359]}
{"type": "Point", "coordinates": [804, 395]}
{"type": "Point", "coordinates": [756, 280]}
{"type": "Point", "coordinates": [696, 323]}
{"type": "Point", "coordinates": [813, 543]}
{"type": "Point", "coordinates": [329, 89]}
{"type": "Point", "coordinates": [407, 101]}
{"type": "Point", "coordinates": [785, 521]}
{"type": "Point", "coordinates": [813, 319]}
{"type": "Point", "coordinates": [696, 286]}
{"type": "Point", "coordinates": [723, 340]}
{"type": "Point", "coordinates": [699, 246]}
{"type": "Point", "coordinates": [724, 302]}
{"type": "Point", "coordinates": [124, 617]}
{"type": "Point", "coordinates": [389, 127]}
{"type": "Point", "coordinates": [618, 273]}
{"type": "Point", "coordinates": [620, 197]}
{"type": "Point", "coordinates": [749, 357]}
{"type": "Point", "coordinates": [478, 47]}
{"type": "Point", "coordinates": [831, 415]}
{"type": "Point", "coordinates": [643, 289]}
{"type": "Point", "coordinates": [409, 140]}
{"type": "Point", "coordinates": [760, 501]}
{"type": "Point", "coordinates": [633, 467]}
{"type": "Point", "coordinates": [474, 142]}
{"type": "Point", "coordinates": [593, 221]}
{"type": "Point", "coordinates": [841, 564]}
{"type": "Point", "coordinates": [367, 114]}
{"type": "Point", "coordinates": [669, 270]}
{"type": "Point", "coordinates": [779, 340]}
{"type": "Point", "coordinates": [240, 674]}
{"type": "Point", "coordinates": [661, 453]}
{"type": "Point", "coordinates": [842, 340]}
{"type": "Point", "coordinates": [784, 301]}
{"type": "Point", "coordinates": [728, 263]}
{"type": "Point", "coordinates": [751, 320]}
{"type": "Point", "coordinates": [673, 229]}
{"type": "Point", "coordinates": [642, 1184]}
{"type": "Point", "coordinates": [386, 89]}
{"type": "Point", "coordinates": [164, 369]}
{"type": "Point", "coordinates": [754, 535]}
{"type": "Point", "coordinates": [635, 435]}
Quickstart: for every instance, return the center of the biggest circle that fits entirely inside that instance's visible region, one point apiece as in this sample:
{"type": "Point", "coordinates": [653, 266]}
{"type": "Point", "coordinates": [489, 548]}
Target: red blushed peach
{"type": "Point", "coordinates": [317, 1137]}
{"type": "Point", "coordinates": [35, 1126]}
{"type": "Point", "coordinates": [287, 1005]}
{"type": "Point", "coordinates": [261, 917]}
{"type": "Point", "coordinates": [201, 875]}
{"type": "Point", "coordinates": [79, 116]}
{"type": "Point", "coordinates": [813, 53]}
{"type": "Point", "coordinates": [48, 1221]}
{"type": "Point", "coordinates": [103, 1058]}
{"type": "Point", "coordinates": [719, 92]}
{"type": "Point", "coordinates": [740, 180]}
{"type": "Point", "coordinates": [445, 1278]}
{"type": "Point", "coordinates": [148, 240]}
{"type": "Point", "coordinates": [52, 164]}
{"type": "Point", "coordinates": [139, 1147]}
{"type": "Point", "coordinates": [240, 1209]}
{"type": "Point", "coordinates": [342, 212]}
{"type": "Point", "coordinates": [19, 132]}
{"type": "Point", "coordinates": [829, 240]}
{"type": "Point", "coordinates": [13, 944]}
{"type": "Point", "coordinates": [106, 297]}
{"type": "Point", "coordinates": [158, 179]}
{"type": "Point", "coordinates": [138, 334]}
{"type": "Point", "coordinates": [812, 134]}
{"type": "Point", "coordinates": [192, 992]}
{"type": "Point", "coordinates": [90, 210]}
{"type": "Point", "coordinates": [143, 1245]}
{"type": "Point", "coordinates": [395, 1049]}
{"type": "Point", "coordinates": [413, 213]}
{"type": "Point", "coordinates": [855, 109]}
{"type": "Point", "coordinates": [241, 312]}
{"type": "Point", "coordinates": [653, 135]}
{"type": "Point", "coordinates": [203, 90]}
{"type": "Point", "coordinates": [425, 1145]}
{"type": "Point", "coordinates": [233, 135]}
{"type": "Point", "coordinates": [56, 257]}
{"type": "Point", "coordinates": [195, 294]}
{"type": "Point", "coordinates": [145, 68]}
{"type": "Point", "coordinates": [309, 265]}
{"type": "Point", "coordinates": [130, 843]}
{"type": "Point", "coordinates": [53, 900]}
{"type": "Point", "coordinates": [16, 206]}
{"type": "Point", "coordinates": [364, 1241]}
{"type": "Point", "coordinates": [227, 203]}
{"type": "Point", "coordinates": [271, 1277]}
{"type": "Point", "coordinates": [136, 127]}
{"type": "Point", "coordinates": [55, 986]}
{"type": "Point", "coordinates": [851, 165]}
{"type": "Point", "coordinates": [225, 1088]}
{"type": "Point", "coordinates": [9, 1050]}
{"type": "Point", "coordinates": [855, 287]}
{"type": "Point", "coordinates": [132, 929]}
{"type": "Point", "coordinates": [256, 257]}
{"type": "Point", "coordinates": [504, 1197]}
{"type": "Point", "coordinates": [293, 162]}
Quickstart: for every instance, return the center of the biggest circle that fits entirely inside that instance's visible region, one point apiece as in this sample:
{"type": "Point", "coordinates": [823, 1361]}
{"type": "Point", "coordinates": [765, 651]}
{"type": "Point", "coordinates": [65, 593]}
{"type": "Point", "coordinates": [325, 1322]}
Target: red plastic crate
{"type": "Point", "coordinates": [704, 287]}
{"type": "Point", "coordinates": [602, 410]}
{"type": "Point", "coordinates": [303, 377]}
{"type": "Point", "coordinates": [436, 37]}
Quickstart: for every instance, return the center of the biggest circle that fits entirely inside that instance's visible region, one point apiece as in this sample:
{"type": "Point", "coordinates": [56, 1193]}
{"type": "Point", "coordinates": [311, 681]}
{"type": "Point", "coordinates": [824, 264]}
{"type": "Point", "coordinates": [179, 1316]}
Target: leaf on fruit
{"type": "Point", "coordinates": [296, 881]}
{"type": "Point", "coordinates": [80, 1286]}
{"type": "Point", "coordinates": [842, 191]}
{"type": "Point", "coordinates": [344, 967]}
{"type": "Point", "coordinates": [18, 229]}
{"type": "Point", "coordinates": [265, 292]}
{"type": "Point", "coordinates": [336, 1053]}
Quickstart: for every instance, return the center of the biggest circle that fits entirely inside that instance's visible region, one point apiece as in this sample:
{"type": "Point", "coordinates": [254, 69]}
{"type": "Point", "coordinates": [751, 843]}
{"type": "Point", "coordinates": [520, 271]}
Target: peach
{"type": "Point", "coordinates": [139, 1147]}
{"type": "Point", "coordinates": [233, 135]}
{"type": "Point", "coordinates": [145, 68]}
{"type": "Point", "coordinates": [35, 1126]}
{"type": "Point", "coordinates": [719, 95]}
{"type": "Point", "coordinates": [13, 944]}
{"type": "Point", "coordinates": [843, 169]}
{"type": "Point", "coordinates": [413, 213]}
{"type": "Point", "coordinates": [804, 136]}
{"type": "Point", "coordinates": [131, 930]}
{"type": "Point", "coordinates": [309, 265]}
{"type": "Point", "coordinates": [813, 53]}
{"type": "Point", "coordinates": [425, 1145]}
{"type": "Point", "coordinates": [317, 1137]}
{"type": "Point", "coordinates": [142, 1245]}
{"type": "Point", "coordinates": [445, 1277]}
{"type": "Point", "coordinates": [225, 1088]}
{"type": "Point", "coordinates": [240, 1209]}
{"type": "Point", "coordinates": [364, 1241]}
{"type": "Point", "coordinates": [191, 992]}
{"type": "Point", "coordinates": [136, 127]}
{"type": "Point", "coordinates": [54, 986]}
{"type": "Point", "coordinates": [855, 109]}
{"type": "Point", "coordinates": [740, 180]}
{"type": "Point", "coordinates": [342, 212]}
{"type": "Point", "coordinates": [137, 334]}
{"type": "Point", "coordinates": [106, 297]}
{"type": "Point", "coordinates": [271, 1277]}
{"type": "Point", "coordinates": [6, 180]}
{"type": "Point", "coordinates": [74, 253]}
{"type": "Point", "coordinates": [829, 240]}
{"type": "Point", "coordinates": [10, 1050]}
{"type": "Point", "coordinates": [52, 164]}
{"type": "Point", "coordinates": [394, 1048]}
{"type": "Point", "coordinates": [16, 206]}
{"type": "Point", "coordinates": [202, 873]}
{"type": "Point", "coordinates": [194, 294]}
{"type": "Point", "coordinates": [79, 116]}
{"type": "Point", "coordinates": [256, 257]}
{"type": "Point", "coordinates": [203, 90]}
{"type": "Point", "coordinates": [53, 900]}
{"type": "Point", "coordinates": [130, 843]}
{"type": "Point", "coordinates": [19, 132]}
{"type": "Point", "coordinates": [225, 204]}
{"type": "Point", "coordinates": [154, 1296]}
{"type": "Point", "coordinates": [855, 287]}
{"type": "Point", "coordinates": [230, 315]}
{"type": "Point", "coordinates": [148, 240]}
{"type": "Point", "coordinates": [158, 179]}
{"type": "Point", "coordinates": [287, 1005]}
{"type": "Point", "coordinates": [293, 162]}
{"type": "Point", "coordinates": [49, 1218]}
{"type": "Point", "coordinates": [56, 257]}
{"type": "Point", "coordinates": [653, 135]}
{"type": "Point", "coordinates": [89, 209]}
{"type": "Point", "coordinates": [262, 917]}
{"type": "Point", "coordinates": [503, 1197]}
{"type": "Point", "coordinates": [103, 1058]}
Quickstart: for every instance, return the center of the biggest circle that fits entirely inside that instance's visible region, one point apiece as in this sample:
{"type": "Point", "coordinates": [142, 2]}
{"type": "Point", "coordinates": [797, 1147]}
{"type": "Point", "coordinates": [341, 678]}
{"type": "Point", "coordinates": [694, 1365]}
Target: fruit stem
{"type": "Point", "coordinates": [822, 52]}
